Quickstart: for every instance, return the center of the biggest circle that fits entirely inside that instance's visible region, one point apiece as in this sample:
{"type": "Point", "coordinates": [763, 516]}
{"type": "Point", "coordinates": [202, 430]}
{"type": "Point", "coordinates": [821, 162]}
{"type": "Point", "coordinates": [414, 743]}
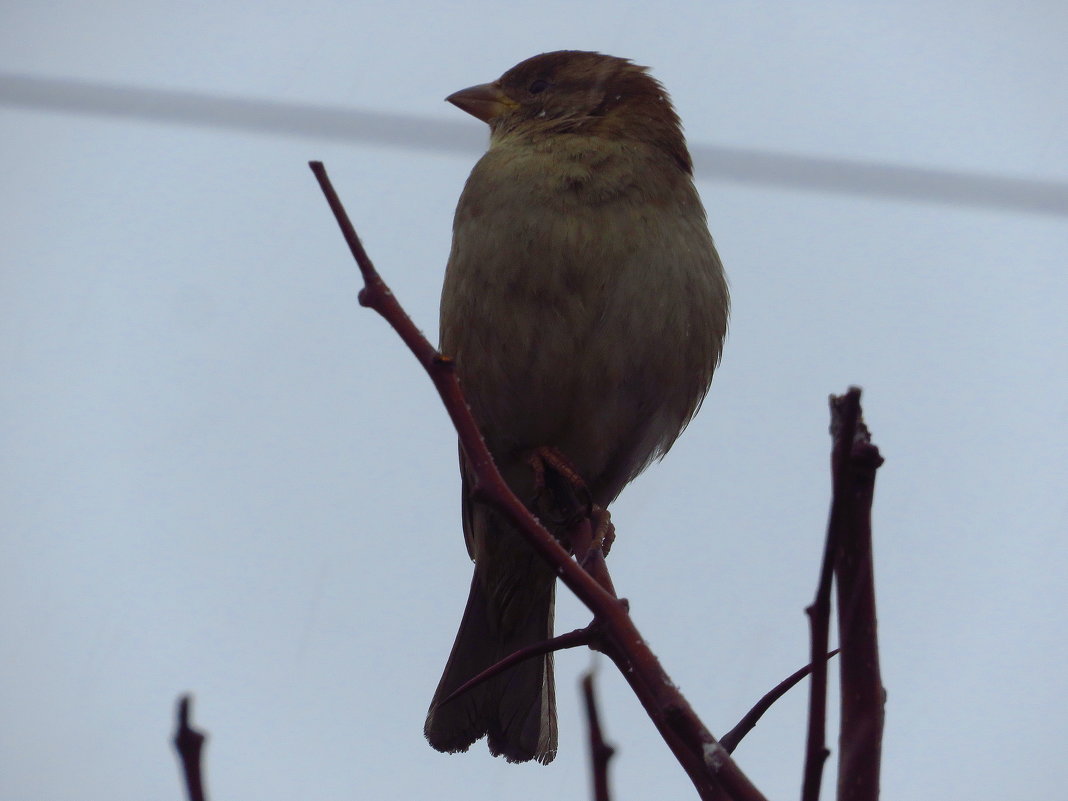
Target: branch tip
{"type": "Point", "coordinates": [189, 743]}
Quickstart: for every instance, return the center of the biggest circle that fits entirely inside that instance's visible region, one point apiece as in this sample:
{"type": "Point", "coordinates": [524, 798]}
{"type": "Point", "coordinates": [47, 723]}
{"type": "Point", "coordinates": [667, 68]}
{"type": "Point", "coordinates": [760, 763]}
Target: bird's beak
{"type": "Point", "coordinates": [485, 101]}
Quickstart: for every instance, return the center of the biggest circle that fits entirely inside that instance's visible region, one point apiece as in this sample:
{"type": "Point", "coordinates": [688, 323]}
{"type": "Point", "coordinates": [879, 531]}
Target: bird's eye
{"type": "Point", "coordinates": [538, 87]}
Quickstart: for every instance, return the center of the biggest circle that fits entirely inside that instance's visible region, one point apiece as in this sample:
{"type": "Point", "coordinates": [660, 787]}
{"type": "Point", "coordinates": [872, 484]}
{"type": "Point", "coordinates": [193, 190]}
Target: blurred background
{"type": "Point", "coordinates": [219, 474]}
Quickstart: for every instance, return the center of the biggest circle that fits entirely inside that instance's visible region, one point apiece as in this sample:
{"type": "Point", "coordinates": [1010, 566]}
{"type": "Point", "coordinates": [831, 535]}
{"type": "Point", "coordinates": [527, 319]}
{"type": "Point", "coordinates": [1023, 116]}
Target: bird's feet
{"type": "Point", "coordinates": [604, 533]}
{"type": "Point", "coordinates": [561, 495]}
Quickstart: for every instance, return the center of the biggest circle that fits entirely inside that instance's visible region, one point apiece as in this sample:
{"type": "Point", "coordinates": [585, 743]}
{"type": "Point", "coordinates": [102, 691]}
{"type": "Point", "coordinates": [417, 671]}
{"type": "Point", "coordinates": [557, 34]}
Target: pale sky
{"type": "Point", "coordinates": [219, 474]}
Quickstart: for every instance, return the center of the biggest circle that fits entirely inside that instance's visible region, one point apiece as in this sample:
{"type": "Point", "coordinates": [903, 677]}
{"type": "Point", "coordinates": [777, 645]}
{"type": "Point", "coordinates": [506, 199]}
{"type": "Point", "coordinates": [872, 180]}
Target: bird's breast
{"type": "Point", "coordinates": [579, 306]}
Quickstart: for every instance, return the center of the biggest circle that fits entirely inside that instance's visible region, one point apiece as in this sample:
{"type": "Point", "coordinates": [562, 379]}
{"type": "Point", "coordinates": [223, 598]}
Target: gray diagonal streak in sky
{"type": "Point", "coordinates": [424, 133]}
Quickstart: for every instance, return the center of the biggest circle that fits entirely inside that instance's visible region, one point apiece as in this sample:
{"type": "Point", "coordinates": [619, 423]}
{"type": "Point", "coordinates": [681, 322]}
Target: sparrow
{"type": "Point", "coordinates": [584, 307]}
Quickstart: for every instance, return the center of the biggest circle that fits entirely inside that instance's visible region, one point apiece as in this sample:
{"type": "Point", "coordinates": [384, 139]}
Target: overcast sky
{"type": "Point", "coordinates": [219, 474]}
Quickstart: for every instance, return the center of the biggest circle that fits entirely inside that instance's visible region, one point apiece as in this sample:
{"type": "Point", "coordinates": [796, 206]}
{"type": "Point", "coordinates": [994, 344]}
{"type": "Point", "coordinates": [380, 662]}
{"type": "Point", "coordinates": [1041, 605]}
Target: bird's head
{"type": "Point", "coordinates": [578, 92]}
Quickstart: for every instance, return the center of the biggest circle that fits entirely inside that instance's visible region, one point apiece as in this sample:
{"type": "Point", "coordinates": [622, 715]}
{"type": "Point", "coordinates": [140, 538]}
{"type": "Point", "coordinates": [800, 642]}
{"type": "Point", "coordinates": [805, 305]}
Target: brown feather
{"type": "Point", "coordinates": [585, 307]}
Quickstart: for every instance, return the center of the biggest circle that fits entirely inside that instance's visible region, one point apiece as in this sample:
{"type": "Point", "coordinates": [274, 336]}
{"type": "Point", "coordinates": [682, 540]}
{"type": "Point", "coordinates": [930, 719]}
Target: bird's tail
{"type": "Point", "coordinates": [517, 709]}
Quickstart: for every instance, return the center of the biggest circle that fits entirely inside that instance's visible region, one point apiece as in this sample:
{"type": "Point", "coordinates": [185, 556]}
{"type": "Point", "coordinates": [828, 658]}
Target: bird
{"type": "Point", "coordinates": [584, 308]}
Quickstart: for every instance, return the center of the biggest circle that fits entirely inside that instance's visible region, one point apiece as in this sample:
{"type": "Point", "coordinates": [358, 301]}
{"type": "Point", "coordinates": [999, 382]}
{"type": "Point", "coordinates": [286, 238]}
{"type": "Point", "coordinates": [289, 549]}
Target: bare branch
{"type": "Point", "coordinates": [713, 772]}
{"type": "Point", "coordinates": [843, 423]}
{"type": "Point", "coordinates": [731, 739]}
{"type": "Point", "coordinates": [854, 461]}
{"type": "Point", "coordinates": [573, 639]}
{"type": "Point", "coordinates": [863, 696]}
{"type": "Point", "coordinates": [600, 751]}
{"type": "Point", "coordinates": [189, 743]}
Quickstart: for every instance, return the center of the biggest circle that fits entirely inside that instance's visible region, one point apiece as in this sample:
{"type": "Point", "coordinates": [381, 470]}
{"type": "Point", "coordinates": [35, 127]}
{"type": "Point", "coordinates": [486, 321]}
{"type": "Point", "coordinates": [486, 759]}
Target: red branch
{"type": "Point", "coordinates": [600, 751]}
{"type": "Point", "coordinates": [847, 554]}
{"type": "Point", "coordinates": [731, 739]}
{"type": "Point", "coordinates": [573, 639]}
{"type": "Point", "coordinates": [863, 697]}
{"type": "Point", "coordinates": [189, 743]}
{"type": "Point", "coordinates": [709, 766]}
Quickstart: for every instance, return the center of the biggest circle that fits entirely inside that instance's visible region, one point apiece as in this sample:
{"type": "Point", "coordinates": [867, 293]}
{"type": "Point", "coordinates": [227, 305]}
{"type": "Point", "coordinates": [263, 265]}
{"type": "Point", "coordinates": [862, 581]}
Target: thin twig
{"type": "Point", "coordinates": [731, 739]}
{"type": "Point", "coordinates": [573, 639]}
{"type": "Point", "coordinates": [600, 751]}
{"type": "Point", "coordinates": [189, 743]}
{"type": "Point", "coordinates": [707, 763]}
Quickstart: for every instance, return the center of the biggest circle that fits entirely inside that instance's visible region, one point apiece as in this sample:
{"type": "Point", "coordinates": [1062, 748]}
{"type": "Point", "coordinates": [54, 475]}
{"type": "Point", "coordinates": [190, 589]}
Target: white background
{"type": "Point", "coordinates": [219, 474]}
